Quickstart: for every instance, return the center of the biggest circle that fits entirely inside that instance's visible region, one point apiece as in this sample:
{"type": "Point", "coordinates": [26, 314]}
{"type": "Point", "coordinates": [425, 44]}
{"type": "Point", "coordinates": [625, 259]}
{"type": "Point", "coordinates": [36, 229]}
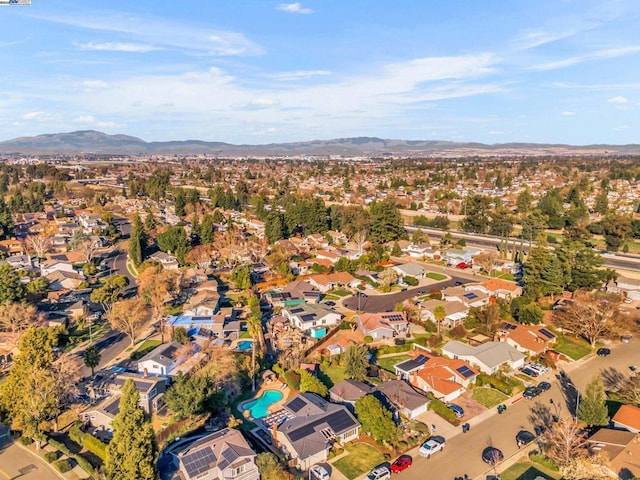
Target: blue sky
{"type": "Point", "coordinates": [254, 71]}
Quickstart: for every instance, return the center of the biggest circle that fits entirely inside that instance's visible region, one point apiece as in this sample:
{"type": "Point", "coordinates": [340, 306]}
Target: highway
{"type": "Point", "coordinates": [463, 451]}
{"type": "Point", "coordinates": [611, 260]}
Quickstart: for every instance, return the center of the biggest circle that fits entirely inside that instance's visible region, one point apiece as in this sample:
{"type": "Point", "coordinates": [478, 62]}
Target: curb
{"type": "Point", "coordinates": [49, 466]}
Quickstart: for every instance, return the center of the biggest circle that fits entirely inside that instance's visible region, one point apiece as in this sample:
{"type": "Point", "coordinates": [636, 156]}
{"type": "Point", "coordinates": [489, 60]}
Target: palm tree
{"type": "Point", "coordinates": [439, 313]}
{"type": "Point", "coordinates": [92, 358]}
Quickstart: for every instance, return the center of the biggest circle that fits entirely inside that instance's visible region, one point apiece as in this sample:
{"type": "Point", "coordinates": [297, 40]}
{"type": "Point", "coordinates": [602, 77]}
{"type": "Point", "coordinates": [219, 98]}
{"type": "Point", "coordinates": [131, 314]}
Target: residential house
{"type": "Point", "coordinates": [529, 339]}
{"type": "Point", "coordinates": [326, 282]}
{"type": "Point", "coordinates": [404, 398]}
{"type": "Point", "coordinates": [349, 391]}
{"type": "Point", "coordinates": [20, 262]}
{"type": "Point", "coordinates": [63, 280]}
{"type": "Point", "coordinates": [627, 418]}
{"type": "Point", "coordinates": [224, 454]}
{"type": "Point", "coordinates": [338, 238]}
{"type": "Point", "coordinates": [308, 425]}
{"type": "Point", "coordinates": [470, 299]}
{"type": "Point", "coordinates": [332, 257]}
{"type": "Point", "coordinates": [303, 289]}
{"type": "Point", "coordinates": [53, 265]}
{"type": "Point", "coordinates": [204, 303]}
{"type": "Point", "coordinates": [454, 312]}
{"type": "Point", "coordinates": [167, 261]}
{"type": "Point", "coordinates": [422, 250]}
{"type": "Point", "coordinates": [308, 316]}
{"type": "Point", "coordinates": [457, 256]}
{"type": "Point", "coordinates": [488, 357]}
{"type": "Point", "coordinates": [381, 326]}
{"type": "Point", "coordinates": [316, 240]}
{"type": "Point", "coordinates": [12, 247]}
{"type": "Point", "coordinates": [622, 450]}
{"type": "Point", "coordinates": [162, 360]}
{"type": "Point", "coordinates": [629, 287]}
{"type": "Point", "coordinates": [496, 287]}
{"type": "Point", "coordinates": [224, 325]}
{"type": "Point", "coordinates": [411, 269]}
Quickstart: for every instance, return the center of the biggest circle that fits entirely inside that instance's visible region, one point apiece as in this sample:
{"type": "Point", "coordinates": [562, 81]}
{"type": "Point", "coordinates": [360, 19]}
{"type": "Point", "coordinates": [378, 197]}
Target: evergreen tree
{"type": "Point", "coordinates": [386, 222]}
{"type": "Point", "coordinates": [593, 404]}
{"type": "Point", "coordinates": [274, 228]}
{"type": "Point", "coordinates": [11, 288]}
{"type": "Point", "coordinates": [137, 241]}
{"type": "Point", "coordinates": [536, 262]}
{"type": "Point", "coordinates": [476, 209]}
{"type": "Point", "coordinates": [207, 229]}
{"type": "Point", "coordinates": [175, 241]}
{"type": "Point", "coordinates": [356, 360]}
{"type": "Point", "coordinates": [180, 202]}
{"type": "Point", "coordinates": [92, 358]}
{"type": "Point", "coordinates": [132, 452]}
{"type": "Point", "coordinates": [396, 251]}
{"type": "Point", "coordinates": [376, 419]}
{"type": "Point", "coordinates": [524, 201]}
{"type": "Point", "coordinates": [311, 383]}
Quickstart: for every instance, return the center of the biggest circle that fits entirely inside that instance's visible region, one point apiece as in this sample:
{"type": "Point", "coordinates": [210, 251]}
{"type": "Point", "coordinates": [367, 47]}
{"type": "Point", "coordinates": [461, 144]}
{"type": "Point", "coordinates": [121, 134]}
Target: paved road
{"type": "Point", "coordinates": [110, 345]}
{"type": "Point", "coordinates": [18, 463]}
{"type": "Point", "coordinates": [463, 451]}
{"type": "Point", "coordinates": [120, 266]}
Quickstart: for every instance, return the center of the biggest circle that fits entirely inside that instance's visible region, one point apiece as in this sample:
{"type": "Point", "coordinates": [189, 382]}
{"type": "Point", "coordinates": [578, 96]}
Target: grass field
{"type": "Point", "coordinates": [340, 293]}
{"type": "Point", "coordinates": [361, 458]}
{"type": "Point", "coordinates": [488, 397]}
{"type": "Point", "coordinates": [573, 348]}
{"type": "Point", "coordinates": [331, 375]}
{"type": "Point", "coordinates": [436, 276]}
{"type": "Point", "coordinates": [387, 363]}
{"type": "Point", "coordinates": [525, 470]}
{"type": "Point", "coordinates": [145, 348]}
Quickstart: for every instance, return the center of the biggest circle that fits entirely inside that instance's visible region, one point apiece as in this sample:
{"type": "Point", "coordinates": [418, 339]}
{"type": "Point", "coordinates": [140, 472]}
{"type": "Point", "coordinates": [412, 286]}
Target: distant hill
{"type": "Point", "coordinates": [93, 142]}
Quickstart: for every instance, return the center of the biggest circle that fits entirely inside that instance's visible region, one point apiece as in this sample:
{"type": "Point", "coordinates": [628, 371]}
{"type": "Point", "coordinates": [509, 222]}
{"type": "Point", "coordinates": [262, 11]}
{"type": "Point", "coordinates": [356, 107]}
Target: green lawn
{"type": "Point", "coordinates": [331, 375]}
{"type": "Point", "coordinates": [361, 458]}
{"type": "Point", "coordinates": [525, 470]}
{"type": "Point", "coordinates": [436, 276]}
{"type": "Point", "coordinates": [573, 348]}
{"type": "Point", "coordinates": [340, 293]}
{"type": "Point", "coordinates": [488, 397]}
{"type": "Point", "coordinates": [145, 348]}
{"type": "Point", "coordinates": [504, 276]}
{"type": "Point", "coordinates": [387, 363]}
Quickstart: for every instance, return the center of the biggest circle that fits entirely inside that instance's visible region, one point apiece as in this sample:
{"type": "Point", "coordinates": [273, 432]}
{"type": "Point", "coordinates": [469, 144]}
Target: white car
{"type": "Point", "coordinates": [318, 472]}
{"type": "Point", "coordinates": [379, 473]}
{"type": "Point", "coordinates": [431, 446]}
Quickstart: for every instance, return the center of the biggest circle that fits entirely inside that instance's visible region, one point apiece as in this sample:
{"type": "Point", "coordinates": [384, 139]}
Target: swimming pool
{"type": "Point", "coordinates": [258, 408]}
{"type": "Point", "coordinates": [244, 345]}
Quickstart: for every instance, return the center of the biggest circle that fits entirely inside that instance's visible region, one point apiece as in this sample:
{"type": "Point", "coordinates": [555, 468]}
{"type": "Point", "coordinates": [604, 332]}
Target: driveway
{"type": "Point", "coordinates": [19, 463]}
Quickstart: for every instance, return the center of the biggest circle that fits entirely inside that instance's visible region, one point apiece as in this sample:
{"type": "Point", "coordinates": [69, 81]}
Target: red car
{"type": "Point", "coordinates": [402, 463]}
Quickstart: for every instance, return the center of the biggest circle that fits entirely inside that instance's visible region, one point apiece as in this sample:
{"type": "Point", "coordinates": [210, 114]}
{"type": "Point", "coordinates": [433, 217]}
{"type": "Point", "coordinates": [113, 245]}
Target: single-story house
{"type": "Point", "coordinates": [488, 357]}
{"type": "Point", "coordinates": [303, 289]}
{"type": "Point", "coordinates": [455, 312]}
{"type": "Point", "coordinates": [63, 280]}
{"type": "Point", "coordinates": [404, 398]}
{"type": "Point", "coordinates": [52, 265]}
{"type": "Point", "coordinates": [622, 450]}
{"type": "Point", "coordinates": [326, 282]}
{"type": "Point", "coordinates": [380, 326]}
{"type": "Point", "coordinates": [203, 303]}
{"type": "Point", "coordinates": [162, 360]}
{"type": "Point", "coordinates": [456, 256]}
{"type": "Point", "coordinates": [223, 325]}
{"type": "Point", "coordinates": [348, 391]}
{"type": "Point", "coordinates": [307, 316]}
{"type": "Point", "coordinates": [627, 418]}
{"type": "Point", "coordinates": [497, 287]}
{"type": "Point", "coordinates": [422, 250]}
{"type": "Point", "coordinates": [471, 299]}
{"type": "Point", "coordinates": [166, 260]}
{"type": "Point", "coordinates": [630, 287]}
{"type": "Point", "coordinates": [529, 339]}
{"type": "Point", "coordinates": [308, 425]}
{"type": "Point", "coordinates": [224, 454]}
{"type": "Point", "coordinates": [411, 269]}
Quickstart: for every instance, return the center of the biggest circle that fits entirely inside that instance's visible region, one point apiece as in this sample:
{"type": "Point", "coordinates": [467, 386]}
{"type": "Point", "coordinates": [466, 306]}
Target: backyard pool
{"type": "Point", "coordinates": [244, 345]}
{"type": "Point", "coordinates": [258, 408]}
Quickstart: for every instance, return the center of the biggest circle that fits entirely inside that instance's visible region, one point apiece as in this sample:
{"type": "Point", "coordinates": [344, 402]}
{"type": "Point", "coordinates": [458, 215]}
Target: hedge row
{"type": "Point", "coordinates": [544, 461]}
{"type": "Point", "coordinates": [503, 383]}
{"type": "Point", "coordinates": [63, 466]}
{"type": "Point", "coordinates": [441, 409]}
{"type": "Point", "coordinates": [84, 464]}
{"type": "Point", "coordinates": [88, 441]}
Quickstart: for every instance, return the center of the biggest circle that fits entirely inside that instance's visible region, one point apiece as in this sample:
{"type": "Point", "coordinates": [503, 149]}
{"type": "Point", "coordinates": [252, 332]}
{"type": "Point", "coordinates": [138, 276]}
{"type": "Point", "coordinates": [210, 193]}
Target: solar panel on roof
{"type": "Point", "coordinates": [546, 333]}
{"type": "Point", "coordinates": [420, 359]}
{"type": "Point", "coordinates": [297, 310]}
{"type": "Point", "coordinates": [508, 326]}
{"type": "Point", "coordinates": [470, 296]}
{"type": "Point", "coordinates": [305, 430]}
{"type": "Point", "coordinates": [296, 405]}
{"type": "Point", "coordinates": [340, 421]}
{"type": "Point", "coordinates": [466, 372]}
{"type": "Point", "coordinates": [198, 462]}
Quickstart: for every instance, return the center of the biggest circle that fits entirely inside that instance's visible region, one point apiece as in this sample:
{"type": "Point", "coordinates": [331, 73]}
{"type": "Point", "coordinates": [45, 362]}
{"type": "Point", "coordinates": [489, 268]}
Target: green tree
{"type": "Point", "coordinates": [386, 222]}
{"type": "Point", "coordinates": [396, 251]}
{"type": "Point", "coordinates": [241, 277]}
{"type": "Point", "coordinates": [132, 452]}
{"type": "Point", "coordinates": [476, 209]}
{"type": "Point", "coordinates": [532, 273]}
{"type": "Point", "coordinates": [111, 290]}
{"type": "Point", "coordinates": [550, 204]}
{"type": "Point", "coordinates": [92, 358]}
{"type": "Point", "coordinates": [174, 241]}
{"type": "Point", "coordinates": [311, 383]}
{"type": "Point", "coordinates": [180, 335]}
{"type": "Point", "coordinates": [180, 202]}
{"type": "Point", "coordinates": [533, 224]}
{"type": "Point", "coordinates": [502, 221]}
{"type": "Point", "coordinates": [274, 227]}
{"type": "Point", "coordinates": [616, 230]}
{"type": "Point", "coordinates": [270, 467]}
{"type": "Point", "coordinates": [601, 205]}
{"type": "Point", "coordinates": [11, 289]}
{"type": "Point", "coordinates": [356, 360]}
{"type": "Point", "coordinates": [137, 241]}
{"type": "Point", "coordinates": [376, 419]}
{"type": "Point", "coordinates": [38, 286]}
{"type": "Point", "coordinates": [192, 395]}
{"type": "Point", "coordinates": [524, 201]}
{"type": "Point", "coordinates": [593, 404]}
{"type": "Point", "coordinates": [439, 313]}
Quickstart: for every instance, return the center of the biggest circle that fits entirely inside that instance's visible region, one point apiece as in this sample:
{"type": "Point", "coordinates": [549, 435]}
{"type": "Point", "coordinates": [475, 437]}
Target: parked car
{"type": "Point", "coordinates": [544, 386]}
{"type": "Point", "coordinates": [431, 446]}
{"type": "Point", "coordinates": [627, 338]}
{"type": "Point", "coordinates": [603, 352]}
{"type": "Point", "coordinates": [458, 283]}
{"type": "Point", "coordinates": [330, 303]}
{"type": "Point", "coordinates": [492, 455]}
{"type": "Point", "coordinates": [457, 409]}
{"type": "Point", "coordinates": [524, 437]}
{"type": "Point", "coordinates": [381, 472]}
{"type": "Point", "coordinates": [402, 463]}
{"type": "Point", "coordinates": [318, 472]}
{"type": "Point", "coordinates": [537, 367]}
{"type": "Point", "coordinates": [529, 371]}
{"type": "Point", "coordinates": [531, 392]}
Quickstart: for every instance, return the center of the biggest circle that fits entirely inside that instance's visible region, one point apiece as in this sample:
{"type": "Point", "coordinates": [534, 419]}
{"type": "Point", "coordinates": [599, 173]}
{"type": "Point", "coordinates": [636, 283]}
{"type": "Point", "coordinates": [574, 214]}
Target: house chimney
{"type": "Point", "coordinates": [274, 434]}
{"type": "Point", "coordinates": [415, 377]}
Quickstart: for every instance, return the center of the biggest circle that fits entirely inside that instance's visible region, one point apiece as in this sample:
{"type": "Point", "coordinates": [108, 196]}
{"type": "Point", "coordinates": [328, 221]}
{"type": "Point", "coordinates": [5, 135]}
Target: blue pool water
{"type": "Point", "coordinates": [258, 407]}
{"type": "Point", "coordinates": [244, 345]}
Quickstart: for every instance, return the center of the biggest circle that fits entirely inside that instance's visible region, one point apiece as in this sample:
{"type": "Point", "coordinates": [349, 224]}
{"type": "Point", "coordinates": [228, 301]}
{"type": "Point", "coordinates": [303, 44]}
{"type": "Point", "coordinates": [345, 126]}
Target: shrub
{"type": "Point", "coordinates": [368, 339]}
{"type": "Point", "coordinates": [458, 332]}
{"type": "Point", "coordinates": [441, 409]}
{"type": "Point", "coordinates": [500, 382]}
{"type": "Point", "coordinates": [76, 434]}
{"type": "Point", "coordinates": [346, 325]}
{"type": "Point", "coordinates": [434, 340]}
{"type": "Point", "coordinates": [26, 441]}
{"type": "Point", "coordinates": [402, 445]}
{"type": "Point", "coordinates": [51, 457]}
{"type": "Point", "coordinates": [292, 379]}
{"type": "Point", "coordinates": [63, 466]}
{"type": "Point", "coordinates": [84, 464]}
{"type": "Point", "coordinates": [95, 446]}
{"type": "Point", "coordinates": [411, 281]}
{"type": "Point", "coordinates": [544, 461]}
{"type": "Point", "coordinates": [385, 349]}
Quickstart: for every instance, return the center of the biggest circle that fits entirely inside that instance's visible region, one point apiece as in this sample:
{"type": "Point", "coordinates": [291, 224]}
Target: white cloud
{"type": "Point", "coordinates": [160, 33]}
{"type": "Point", "coordinates": [620, 128]}
{"type": "Point", "coordinates": [568, 113]}
{"type": "Point", "coordinates": [117, 47]}
{"type": "Point", "coordinates": [619, 100]}
{"type": "Point", "coordinates": [596, 55]}
{"type": "Point", "coordinates": [294, 8]}
{"type": "Point", "coordinates": [38, 116]}
{"type": "Point", "coordinates": [91, 121]}
{"type": "Point", "coordinates": [300, 75]}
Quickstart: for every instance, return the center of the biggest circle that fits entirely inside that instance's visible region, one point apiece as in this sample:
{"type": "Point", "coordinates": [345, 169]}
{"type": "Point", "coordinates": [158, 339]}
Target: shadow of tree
{"type": "Point", "coordinates": [613, 379]}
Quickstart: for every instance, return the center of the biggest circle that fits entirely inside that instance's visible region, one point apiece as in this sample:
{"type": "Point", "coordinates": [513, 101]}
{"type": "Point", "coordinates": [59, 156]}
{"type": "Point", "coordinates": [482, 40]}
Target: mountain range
{"type": "Point", "coordinates": [94, 142]}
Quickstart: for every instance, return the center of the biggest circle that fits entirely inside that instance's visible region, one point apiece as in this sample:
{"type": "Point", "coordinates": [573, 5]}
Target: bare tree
{"type": "Point", "coordinates": [127, 316]}
{"type": "Point", "coordinates": [40, 244]}
{"type": "Point", "coordinates": [629, 390]}
{"type": "Point", "coordinates": [565, 441]}
{"type": "Point", "coordinates": [486, 260]}
{"type": "Point", "coordinates": [155, 287]}
{"type": "Point", "coordinates": [360, 238]}
{"type": "Point", "coordinates": [589, 316]}
{"type": "Point", "coordinates": [89, 248]}
{"type": "Point", "coordinates": [387, 277]}
{"type": "Point", "coordinates": [16, 317]}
